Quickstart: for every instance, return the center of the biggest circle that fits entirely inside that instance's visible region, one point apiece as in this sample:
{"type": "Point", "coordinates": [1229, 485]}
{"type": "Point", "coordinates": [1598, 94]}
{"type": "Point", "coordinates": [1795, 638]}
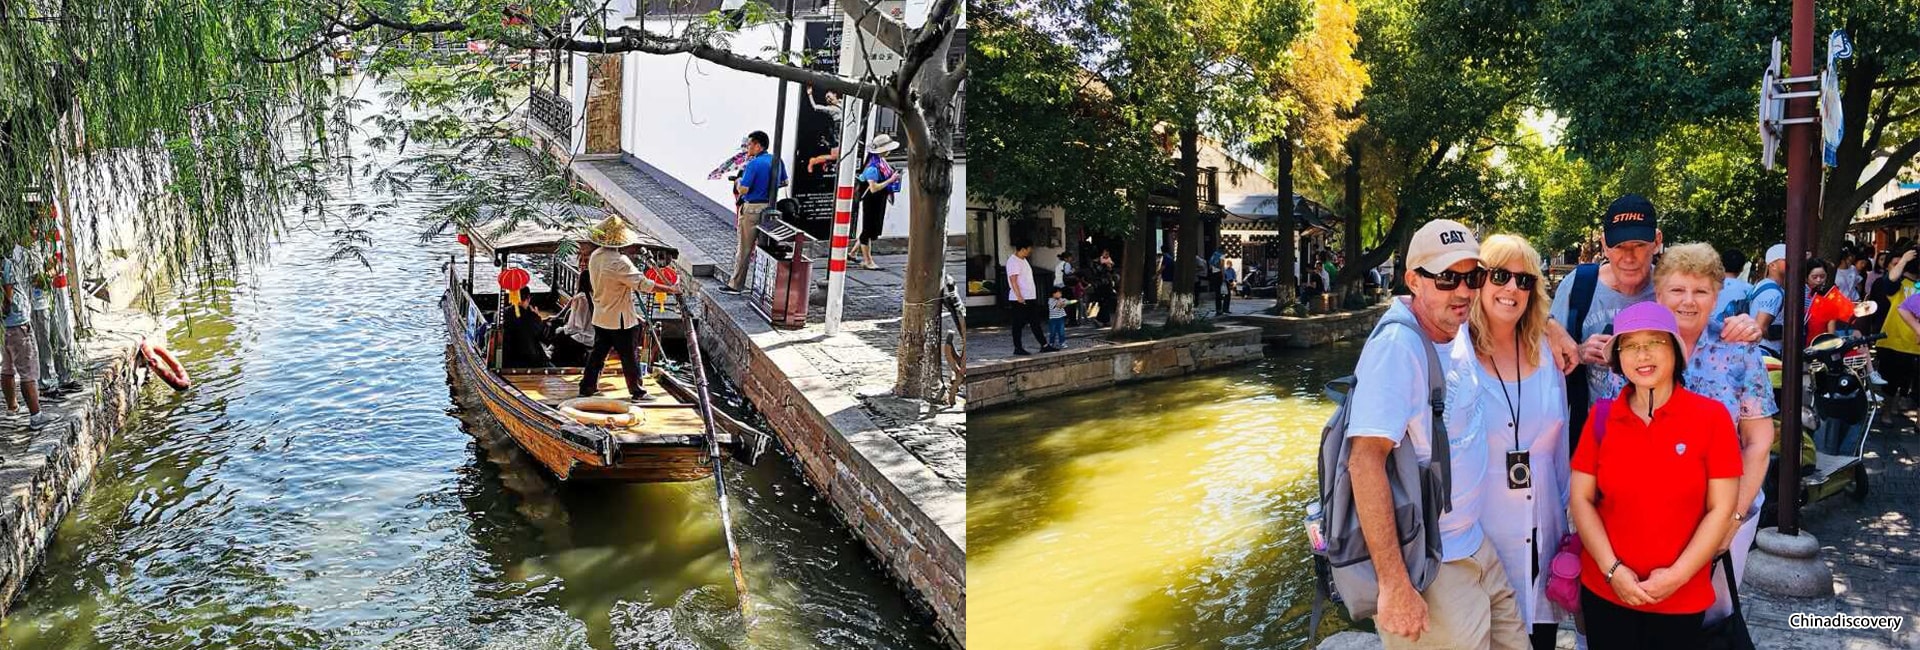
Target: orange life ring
{"type": "Point", "coordinates": [601, 412]}
{"type": "Point", "coordinates": [164, 365]}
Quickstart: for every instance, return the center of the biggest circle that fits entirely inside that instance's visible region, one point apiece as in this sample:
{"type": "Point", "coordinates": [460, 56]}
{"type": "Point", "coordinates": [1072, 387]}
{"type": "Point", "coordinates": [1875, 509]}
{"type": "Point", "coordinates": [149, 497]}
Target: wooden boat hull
{"type": "Point", "coordinates": [570, 450]}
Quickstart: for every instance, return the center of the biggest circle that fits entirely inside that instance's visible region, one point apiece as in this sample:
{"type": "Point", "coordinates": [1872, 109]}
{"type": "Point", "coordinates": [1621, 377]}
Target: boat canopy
{"type": "Point", "coordinates": [558, 225]}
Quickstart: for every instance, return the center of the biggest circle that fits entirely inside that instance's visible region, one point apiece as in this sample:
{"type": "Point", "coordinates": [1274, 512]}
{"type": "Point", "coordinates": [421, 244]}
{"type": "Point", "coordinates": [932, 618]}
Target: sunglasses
{"type": "Point", "coordinates": [1501, 277]}
{"type": "Point", "coordinates": [1449, 280]}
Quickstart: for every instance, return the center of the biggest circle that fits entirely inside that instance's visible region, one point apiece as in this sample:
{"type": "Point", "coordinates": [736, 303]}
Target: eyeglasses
{"type": "Point", "coordinates": [1501, 277]}
{"type": "Point", "coordinates": [1449, 280]}
{"type": "Point", "coordinates": [1648, 347]}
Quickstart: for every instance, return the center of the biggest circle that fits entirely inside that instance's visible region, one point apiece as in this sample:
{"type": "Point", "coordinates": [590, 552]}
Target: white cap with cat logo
{"type": "Point", "coordinates": [1440, 244]}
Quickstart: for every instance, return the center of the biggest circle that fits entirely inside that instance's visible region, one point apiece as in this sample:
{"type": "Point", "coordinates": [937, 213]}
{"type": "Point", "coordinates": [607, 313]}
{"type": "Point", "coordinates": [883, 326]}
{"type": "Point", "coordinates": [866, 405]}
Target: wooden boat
{"type": "Point", "coordinates": [677, 436]}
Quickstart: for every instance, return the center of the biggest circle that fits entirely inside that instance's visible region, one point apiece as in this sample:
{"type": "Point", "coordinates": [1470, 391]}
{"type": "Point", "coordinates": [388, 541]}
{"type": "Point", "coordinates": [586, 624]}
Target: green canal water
{"type": "Point", "coordinates": [321, 487]}
{"type": "Point", "coordinates": [1165, 514]}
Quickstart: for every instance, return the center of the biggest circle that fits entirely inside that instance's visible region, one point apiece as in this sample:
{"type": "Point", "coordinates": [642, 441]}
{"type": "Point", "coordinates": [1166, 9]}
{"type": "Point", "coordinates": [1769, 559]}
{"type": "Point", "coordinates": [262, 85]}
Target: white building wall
{"type": "Point", "coordinates": [686, 116]}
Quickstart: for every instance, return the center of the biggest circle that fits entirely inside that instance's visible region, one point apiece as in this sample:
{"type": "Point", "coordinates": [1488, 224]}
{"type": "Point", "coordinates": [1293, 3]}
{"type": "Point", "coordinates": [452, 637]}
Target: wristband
{"type": "Point", "coordinates": [1616, 567]}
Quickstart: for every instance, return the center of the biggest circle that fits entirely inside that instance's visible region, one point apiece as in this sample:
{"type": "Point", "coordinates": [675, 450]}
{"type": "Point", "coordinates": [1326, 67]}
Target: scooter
{"type": "Point", "coordinates": [1842, 401]}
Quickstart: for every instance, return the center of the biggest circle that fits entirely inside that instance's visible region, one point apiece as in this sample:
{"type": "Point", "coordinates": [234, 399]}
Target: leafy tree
{"type": "Point", "coordinates": [1052, 133]}
{"type": "Point", "coordinates": [1318, 90]}
{"type": "Point", "coordinates": [1700, 67]}
{"type": "Point", "coordinates": [1448, 80]}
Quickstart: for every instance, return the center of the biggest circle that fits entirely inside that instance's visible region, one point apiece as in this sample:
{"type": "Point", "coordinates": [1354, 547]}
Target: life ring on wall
{"type": "Point", "coordinates": [164, 365]}
{"type": "Point", "coordinates": [601, 412]}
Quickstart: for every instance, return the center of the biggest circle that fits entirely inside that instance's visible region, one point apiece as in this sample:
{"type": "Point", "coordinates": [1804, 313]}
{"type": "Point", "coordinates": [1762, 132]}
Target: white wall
{"type": "Point", "coordinates": [685, 116]}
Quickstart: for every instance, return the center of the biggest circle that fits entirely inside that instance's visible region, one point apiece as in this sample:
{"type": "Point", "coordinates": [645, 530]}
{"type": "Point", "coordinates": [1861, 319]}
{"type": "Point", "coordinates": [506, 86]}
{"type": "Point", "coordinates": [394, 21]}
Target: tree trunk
{"type": "Point", "coordinates": [1845, 189]}
{"type": "Point", "coordinates": [1180, 303]}
{"type": "Point", "coordinates": [1288, 282]}
{"type": "Point", "coordinates": [1352, 273]}
{"type": "Point", "coordinates": [1136, 262]}
{"type": "Point", "coordinates": [929, 129]}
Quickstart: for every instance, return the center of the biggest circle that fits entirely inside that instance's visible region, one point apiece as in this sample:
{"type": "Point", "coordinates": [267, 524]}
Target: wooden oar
{"type": "Point", "coordinates": [713, 447]}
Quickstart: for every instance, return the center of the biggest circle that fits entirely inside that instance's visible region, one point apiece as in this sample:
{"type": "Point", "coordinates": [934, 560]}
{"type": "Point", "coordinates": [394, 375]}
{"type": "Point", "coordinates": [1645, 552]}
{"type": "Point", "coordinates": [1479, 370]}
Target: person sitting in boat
{"type": "Point", "coordinates": [521, 334]}
{"type": "Point", "coordinates": [571, 329]}
{"type": "Point", "coordinates": [616, 321]}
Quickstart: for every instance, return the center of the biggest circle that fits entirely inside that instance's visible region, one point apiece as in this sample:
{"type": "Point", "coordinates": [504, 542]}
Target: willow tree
{"type": "Point", "coordinates": [469, 104]}
{"type": "Point", "coordinates": [157, 104]}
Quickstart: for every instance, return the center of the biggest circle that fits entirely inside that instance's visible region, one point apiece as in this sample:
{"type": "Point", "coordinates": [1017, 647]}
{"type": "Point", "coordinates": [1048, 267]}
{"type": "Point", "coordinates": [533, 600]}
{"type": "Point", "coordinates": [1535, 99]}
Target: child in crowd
{"type": "Point", "coordinates": [1057, 320]}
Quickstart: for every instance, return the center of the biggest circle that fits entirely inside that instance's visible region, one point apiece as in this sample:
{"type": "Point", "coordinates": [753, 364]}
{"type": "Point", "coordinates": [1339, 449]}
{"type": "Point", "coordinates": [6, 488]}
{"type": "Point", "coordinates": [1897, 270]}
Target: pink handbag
{"type": "Point", "coordinates": [1563, 580]}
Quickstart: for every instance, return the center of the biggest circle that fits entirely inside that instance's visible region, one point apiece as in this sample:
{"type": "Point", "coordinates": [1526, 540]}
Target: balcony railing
{"type": "Point", "coordinates": [552, 112]}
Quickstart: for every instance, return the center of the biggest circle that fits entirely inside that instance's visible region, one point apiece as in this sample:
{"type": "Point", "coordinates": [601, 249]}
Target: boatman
{"type": "Point", "coordinates": [616, 322]}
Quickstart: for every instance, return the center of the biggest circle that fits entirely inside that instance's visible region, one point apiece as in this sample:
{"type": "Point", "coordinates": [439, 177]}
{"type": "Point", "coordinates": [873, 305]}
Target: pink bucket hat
{"type": "Point", "coordinates": [1648, 316]}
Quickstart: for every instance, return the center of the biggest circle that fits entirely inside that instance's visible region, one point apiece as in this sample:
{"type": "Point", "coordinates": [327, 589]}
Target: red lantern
{"type": "Point", "coordinates": [663, 276]}
{"type": "Point", "coordinates": [514, 279]}
{"type": "Point", "coordinates": [462, 238]}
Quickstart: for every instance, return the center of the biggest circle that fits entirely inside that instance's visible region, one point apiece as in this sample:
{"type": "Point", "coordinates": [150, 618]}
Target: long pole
{"type": "Point", "coordinates": [852, 124]}
{"type": "Point", "coordinates": [713, 449]}
{"type": "Point", "coordinates": [1801, 174]}
{"type": "Point", "coordinates": [780, 105]}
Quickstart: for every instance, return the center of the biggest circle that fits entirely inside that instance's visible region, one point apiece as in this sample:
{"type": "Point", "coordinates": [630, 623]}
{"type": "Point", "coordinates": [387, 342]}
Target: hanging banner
{"type": "Point", "coordinates": [816, 145]}
{"type": "Point", "coordinates": [1832, 124]}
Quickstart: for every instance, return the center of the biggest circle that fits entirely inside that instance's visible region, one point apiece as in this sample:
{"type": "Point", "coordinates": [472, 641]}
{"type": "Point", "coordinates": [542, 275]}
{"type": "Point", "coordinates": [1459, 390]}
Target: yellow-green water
{"type": "Point", "coordinates": [1158, 515]}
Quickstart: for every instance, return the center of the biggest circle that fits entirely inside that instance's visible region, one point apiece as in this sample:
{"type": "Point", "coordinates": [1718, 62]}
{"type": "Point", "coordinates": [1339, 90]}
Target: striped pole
{"type": "Point", "coordinates": [848, 165]}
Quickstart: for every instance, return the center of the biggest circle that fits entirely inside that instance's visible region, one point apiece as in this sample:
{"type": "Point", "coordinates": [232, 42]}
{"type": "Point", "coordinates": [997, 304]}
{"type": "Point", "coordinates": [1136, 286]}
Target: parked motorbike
{"type": "Point", "coordinates": [1841, 401]}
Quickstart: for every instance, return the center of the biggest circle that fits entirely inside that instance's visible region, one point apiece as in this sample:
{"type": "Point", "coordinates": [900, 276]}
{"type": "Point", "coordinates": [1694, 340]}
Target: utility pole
{"type": "Point", "coordinates": [1803, 170]}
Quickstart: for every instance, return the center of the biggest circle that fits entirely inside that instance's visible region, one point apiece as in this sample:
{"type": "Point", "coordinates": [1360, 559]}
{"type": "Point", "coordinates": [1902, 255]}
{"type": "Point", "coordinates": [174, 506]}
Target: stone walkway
{"type": "Point", "coordinates": [989, 344]}
{"type": "Point", "coordinates": [45, 470]}
{"type": "Point", "coordinates": [860, 359]}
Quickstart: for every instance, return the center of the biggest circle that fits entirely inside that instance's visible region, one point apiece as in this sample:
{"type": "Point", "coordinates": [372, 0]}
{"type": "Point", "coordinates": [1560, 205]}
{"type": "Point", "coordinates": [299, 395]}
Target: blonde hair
{"type": "Point", "coordinates": [1497, 252]}
{"type": "Point", "coordinates": [1691, 259]}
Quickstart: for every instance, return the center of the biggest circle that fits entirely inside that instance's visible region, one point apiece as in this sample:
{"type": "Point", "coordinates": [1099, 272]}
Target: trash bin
{"type": "Point", "coordinates": [780, 274]}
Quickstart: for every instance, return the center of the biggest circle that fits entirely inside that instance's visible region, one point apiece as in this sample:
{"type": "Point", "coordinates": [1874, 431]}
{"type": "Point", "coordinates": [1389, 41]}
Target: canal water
{"type": "Point", "coordinates": [1165, 514]}
{"type": "Point", "coordinates": [321, 487]}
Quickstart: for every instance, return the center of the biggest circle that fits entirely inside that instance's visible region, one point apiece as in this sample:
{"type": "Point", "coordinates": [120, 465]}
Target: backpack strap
{"type": "Point", "coordinates": [1441, 456]}
{"type": "Point", "coordinates": [1585, 278]}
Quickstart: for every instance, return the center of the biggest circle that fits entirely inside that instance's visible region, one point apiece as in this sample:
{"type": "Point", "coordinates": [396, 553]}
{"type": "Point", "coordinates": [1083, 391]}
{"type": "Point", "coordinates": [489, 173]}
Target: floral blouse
{"type": "Point", "coordinates": [1732, 374]}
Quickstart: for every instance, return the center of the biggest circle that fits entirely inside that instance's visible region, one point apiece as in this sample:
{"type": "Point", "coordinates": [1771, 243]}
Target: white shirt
{"type": "Point", "coordinates": [1060, 275]}
{"type": "Point", "coordinates": [1513, 518]}
{"type": "Point", "coordinates": [1392, 376]}
{"type": "Point", "coordinates": [1019, 278]}
{"type": "Point", "coordinates": [615, 279]}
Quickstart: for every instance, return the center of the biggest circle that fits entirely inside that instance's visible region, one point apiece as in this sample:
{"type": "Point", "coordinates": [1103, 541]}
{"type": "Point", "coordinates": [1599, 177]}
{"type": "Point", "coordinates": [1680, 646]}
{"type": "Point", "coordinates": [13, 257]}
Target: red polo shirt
{"type": "Point", "coordinates": [1652, 480]}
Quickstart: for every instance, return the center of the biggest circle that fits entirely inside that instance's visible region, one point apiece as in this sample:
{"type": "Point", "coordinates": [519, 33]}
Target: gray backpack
{"type": "Point", "coordinates": [1421, 492]}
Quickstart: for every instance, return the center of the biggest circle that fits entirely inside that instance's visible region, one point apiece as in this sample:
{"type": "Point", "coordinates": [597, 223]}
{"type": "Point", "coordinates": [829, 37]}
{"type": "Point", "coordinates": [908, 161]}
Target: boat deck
{"type": "Point", "coordinates": [665, 415]}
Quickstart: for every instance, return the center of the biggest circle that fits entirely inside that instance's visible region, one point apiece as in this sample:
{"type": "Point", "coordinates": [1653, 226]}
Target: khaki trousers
{"type": "Point", "coordinates": [1469, 605]}
{"type": "Point", "coordinates": [747, 219]}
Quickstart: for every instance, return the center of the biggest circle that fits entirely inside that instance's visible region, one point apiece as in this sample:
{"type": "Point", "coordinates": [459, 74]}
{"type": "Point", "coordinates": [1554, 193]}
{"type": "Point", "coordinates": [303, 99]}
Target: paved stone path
{"type": "Point", "coordinates": [987, 344]}
{"type": "Point", "coordinates": [861, 358]}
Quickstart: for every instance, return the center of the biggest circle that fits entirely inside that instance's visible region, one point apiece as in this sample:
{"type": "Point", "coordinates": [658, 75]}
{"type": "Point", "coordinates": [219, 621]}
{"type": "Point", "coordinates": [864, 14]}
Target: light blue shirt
{"type": "Point", "coordinates": [16, 312]}
{"type": "Point", "coordinates": [1392, 383]}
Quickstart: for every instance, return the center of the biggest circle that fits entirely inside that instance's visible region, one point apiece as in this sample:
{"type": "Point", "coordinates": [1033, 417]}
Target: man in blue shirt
{"type": "Point", "coordinates": [758, 183]}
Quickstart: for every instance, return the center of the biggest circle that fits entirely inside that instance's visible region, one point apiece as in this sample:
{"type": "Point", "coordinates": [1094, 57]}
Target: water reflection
{"type": "Point", "coordinates": [1163, 514]}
